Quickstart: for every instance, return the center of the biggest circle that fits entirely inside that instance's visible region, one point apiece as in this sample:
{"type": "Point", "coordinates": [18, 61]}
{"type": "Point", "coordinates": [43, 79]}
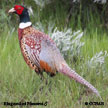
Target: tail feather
{"type": "Point", "coordinates": [65, 69]}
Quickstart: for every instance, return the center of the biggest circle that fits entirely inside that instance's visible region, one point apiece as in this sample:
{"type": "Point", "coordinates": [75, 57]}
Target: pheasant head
{"type": "Point", "coordinates": [23, 14]}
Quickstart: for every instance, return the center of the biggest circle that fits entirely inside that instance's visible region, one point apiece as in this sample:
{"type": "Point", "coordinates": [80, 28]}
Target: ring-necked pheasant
{"type": "Point", "coordinates": [40, 51]}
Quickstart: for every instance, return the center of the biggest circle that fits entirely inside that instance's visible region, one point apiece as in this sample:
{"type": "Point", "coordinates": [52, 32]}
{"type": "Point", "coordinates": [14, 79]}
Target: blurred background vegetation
{"type": "Point", "coordinates": [80, 30]}
{"type": "Point", "coordinates": [81, 14]}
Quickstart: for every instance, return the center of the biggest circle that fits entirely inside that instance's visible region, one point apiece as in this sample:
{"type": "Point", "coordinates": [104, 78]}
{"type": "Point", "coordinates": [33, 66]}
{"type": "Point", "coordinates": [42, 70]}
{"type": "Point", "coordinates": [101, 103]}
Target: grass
{"type": "Point", "coordinates": [18, 83]}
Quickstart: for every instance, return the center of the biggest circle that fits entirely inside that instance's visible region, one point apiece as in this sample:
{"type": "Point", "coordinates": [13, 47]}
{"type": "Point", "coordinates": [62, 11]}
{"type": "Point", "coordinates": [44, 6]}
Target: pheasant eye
{"type": "Point", "coordinates": [19, 8]}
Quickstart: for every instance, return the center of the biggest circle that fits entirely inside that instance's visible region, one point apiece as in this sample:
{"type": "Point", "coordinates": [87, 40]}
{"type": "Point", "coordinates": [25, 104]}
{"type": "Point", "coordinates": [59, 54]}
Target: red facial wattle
{"type": "Point", "coordinates": [19, 9]}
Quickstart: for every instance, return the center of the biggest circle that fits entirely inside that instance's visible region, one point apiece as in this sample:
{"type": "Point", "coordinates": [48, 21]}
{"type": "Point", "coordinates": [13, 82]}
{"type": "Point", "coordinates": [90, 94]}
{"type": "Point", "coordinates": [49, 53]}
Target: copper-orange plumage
{"type": "Point", "coordinates": [40, 51]}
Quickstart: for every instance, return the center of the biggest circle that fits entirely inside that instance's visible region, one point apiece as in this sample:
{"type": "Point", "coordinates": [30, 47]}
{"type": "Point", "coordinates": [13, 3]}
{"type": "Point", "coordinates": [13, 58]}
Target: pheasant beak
{"type": "Point", "coordinates": [12, 10]}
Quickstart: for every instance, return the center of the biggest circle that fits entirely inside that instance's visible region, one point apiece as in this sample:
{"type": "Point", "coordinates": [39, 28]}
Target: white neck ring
{"type": "Point", "coordinates": [24, 25]}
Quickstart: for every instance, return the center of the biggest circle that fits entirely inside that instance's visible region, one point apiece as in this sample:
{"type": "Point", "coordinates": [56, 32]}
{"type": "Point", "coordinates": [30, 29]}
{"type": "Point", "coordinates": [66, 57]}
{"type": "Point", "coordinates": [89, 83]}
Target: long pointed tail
{"type": "Point", "coordinates": [65, 69]}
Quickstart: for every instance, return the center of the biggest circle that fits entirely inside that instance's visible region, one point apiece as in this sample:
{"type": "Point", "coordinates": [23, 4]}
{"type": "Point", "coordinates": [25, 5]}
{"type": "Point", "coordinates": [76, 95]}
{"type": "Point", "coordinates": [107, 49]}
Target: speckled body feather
{"type": "Point", "coordinates": [39, 50]}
